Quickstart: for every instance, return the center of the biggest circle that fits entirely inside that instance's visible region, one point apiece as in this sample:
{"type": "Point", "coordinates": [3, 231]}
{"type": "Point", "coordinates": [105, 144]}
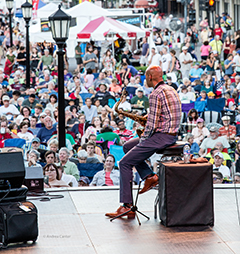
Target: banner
{"type": "Point", "coordinates": [35, 8]}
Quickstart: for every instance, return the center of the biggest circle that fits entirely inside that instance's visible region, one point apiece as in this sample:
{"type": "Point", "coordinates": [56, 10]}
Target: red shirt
{"type": "Point", "coordinates": [124, 135]}
{"type": "Point", "coordinates": [231, 130]}
{"type": "Point", "coordinates": [218, 31]}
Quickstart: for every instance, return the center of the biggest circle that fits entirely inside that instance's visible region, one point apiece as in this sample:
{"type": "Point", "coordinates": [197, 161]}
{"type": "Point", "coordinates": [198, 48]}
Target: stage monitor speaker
{"type": "Point", "coordinates": [11, 169]}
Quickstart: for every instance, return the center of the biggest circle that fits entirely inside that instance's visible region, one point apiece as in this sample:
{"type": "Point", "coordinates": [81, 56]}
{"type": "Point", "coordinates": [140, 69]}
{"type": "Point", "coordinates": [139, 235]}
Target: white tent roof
{"type": "Point", "coordinates": [47, 10]}
{"type": "Point", "coordinates": [87, 9]}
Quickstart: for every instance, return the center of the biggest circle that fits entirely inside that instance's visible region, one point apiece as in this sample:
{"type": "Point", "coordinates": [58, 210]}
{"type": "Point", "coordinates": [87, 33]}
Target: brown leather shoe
{"type": "Point", "coordinates": [150, 182]}
{"type": "Point", "coordinates": [120, 210]}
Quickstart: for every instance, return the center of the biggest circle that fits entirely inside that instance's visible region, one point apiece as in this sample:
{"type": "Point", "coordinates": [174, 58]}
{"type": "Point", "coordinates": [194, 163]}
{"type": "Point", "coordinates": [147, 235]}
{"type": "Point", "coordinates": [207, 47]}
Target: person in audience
{"type": "Point", "coordinates": [54, 180]}
{"type": "Point", "coordinates": [24, 133]}
{"type": "Point", "coordinates": [32, 159]}
{"type": "Point", "coordinates": [218, 160]}
{"type": "Point", "coordinates": [108, 176]}
{"type": "Point", "coordinates": [69, 167]}
{"type": "Point", "coordinates": [236, 178]}
{"type": "Point", "coordinates": [228, 131]}
{"type": "Point", "coordinates": [45, 132]}
{"type": "Point", "coordinates": [209, 143]}
{"type": "Point", "coordinates": [217, 177]}
{"type": "Point", "coordinates": [83, 181]}
{"type": "Point", "coordinates": [68, 179]}
{"type": "Point", "coordinates": [50, 157]}
{"type": "Point", "coordinates": [123, 132]}
{"type": "Point", "coordinates": [200, 132]}
{"type": "Point", "coordinates": [92, 157]}
{"type": "Point", "coordinates": [82, 156]}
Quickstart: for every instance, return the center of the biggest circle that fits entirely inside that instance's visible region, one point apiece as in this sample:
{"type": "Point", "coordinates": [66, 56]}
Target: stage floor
{"type": "Point", "coordinates": [76, 224]}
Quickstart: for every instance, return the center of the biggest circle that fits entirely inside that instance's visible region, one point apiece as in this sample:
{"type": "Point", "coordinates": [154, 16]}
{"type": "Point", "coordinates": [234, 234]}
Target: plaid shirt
{"type": "Point", "coordinates": [231, 130]}
{"type": "Point", "coordinates": [164, 111]}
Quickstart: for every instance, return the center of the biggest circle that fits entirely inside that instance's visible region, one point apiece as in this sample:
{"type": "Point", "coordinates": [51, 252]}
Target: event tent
{"type": "Point", "coordinates": [98, 28]}
{"type": "Point", "coordinates": [87, 9]}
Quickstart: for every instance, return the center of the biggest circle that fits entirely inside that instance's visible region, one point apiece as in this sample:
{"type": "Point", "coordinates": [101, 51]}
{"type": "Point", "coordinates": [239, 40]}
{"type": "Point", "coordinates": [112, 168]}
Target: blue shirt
{"type": "Point", "coordinates": [196, 72]}
{"type": "Point", "coordinates": [44, 134]}
{"type": "Point", "coordinates": [45, 90]}
{"type": "Point", "coordinates": [89, 112]}
{"type": "Point", "coordinates": [194, 148]}
{"type": "Point", "coordinates": [133, 71]}
{"type": "Point", "coordinates": [229, 70]}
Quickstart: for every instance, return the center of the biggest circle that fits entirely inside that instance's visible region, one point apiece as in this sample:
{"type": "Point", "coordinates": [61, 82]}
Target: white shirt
{"type": "Point", "coordinates": [224, 170]}
{"type": "Point", "coordinates": [155, 59]}
{"type": "Point", "coordinates": [165, 59]}
{"type": "Point", "coordinates": [182, 58]}
{"type": "Point", "coordinates": [27, 136]}
{"type": "Point", "coordinates": [235, 59]}
{"type": "Point", "coordinates": [69, 179]}
{"type": "Point", "coordinates": [10, 109]}
{"type": "Point", "coordinates": [187, 97]}
{"type": "Point", "coordinates": [126, 106]}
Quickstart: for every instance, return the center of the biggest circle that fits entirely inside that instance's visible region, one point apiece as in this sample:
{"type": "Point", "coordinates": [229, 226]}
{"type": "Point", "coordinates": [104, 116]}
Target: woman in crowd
{"type": "Point", "coordinates": [192, 119]}
{"type": "Point", "coordinates": [54, 180]}
{"type": "Point", "coordinates": [89, 78]}
{"type": "Point", "coordinates": [34, 58]}
{"type": "Point", "coordinates": [205, 49]}
{"type": "Point", "coordinates": [52, 102]}
{"type": "Point", "coordinates": [227, 88]}
{"type": "Point", "coordinates": [10, 61]}
{"type": "Point", "coordinates": [210, 62]}
{"type": "Point", "coordinates": [25, 112]}
{"type": "Point", "coordinates": [226, 47]}
{"type": "Point", "coordinates": [200, 131]}
{"type": "Point", "coordinates": [207, 86]}
{"type": "Point", "coordinates": [108, 61]}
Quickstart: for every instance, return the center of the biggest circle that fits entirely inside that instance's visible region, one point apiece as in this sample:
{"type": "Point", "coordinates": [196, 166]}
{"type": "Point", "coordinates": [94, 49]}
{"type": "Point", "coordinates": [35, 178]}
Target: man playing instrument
{"type": "Point", "coordinates": [161, 130]}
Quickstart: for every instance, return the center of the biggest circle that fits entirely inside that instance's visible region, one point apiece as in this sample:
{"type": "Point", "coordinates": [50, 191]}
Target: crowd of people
{"type": "Point", "coordinates": [92, 90]}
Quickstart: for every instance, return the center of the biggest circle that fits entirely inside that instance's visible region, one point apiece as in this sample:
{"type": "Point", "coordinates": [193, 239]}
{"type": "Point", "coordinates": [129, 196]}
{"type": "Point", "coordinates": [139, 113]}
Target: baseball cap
{"type": "Point", "coordinates": [213, 129]}
{"type": "Point", "coordinates": [42, 114]}
{"type": "Point", "coordinates": [226, 118]}
{"type": "Point", "coordinates": [200, 120]}
{"type": "Point", "coordinates": [5, 98]}
{"type": "Point", "coordinates": [36, 140]}
{"type": "Point", "coordinates": [219, 154]}
{"type": "Point", "coordinates": [184, 87]}
{"type": "Point", "coordinates": [211, 94]}
{"type": "Point", "coordinates": [140, 89]}
{"type": "Point", "coordinates": [184, 48]}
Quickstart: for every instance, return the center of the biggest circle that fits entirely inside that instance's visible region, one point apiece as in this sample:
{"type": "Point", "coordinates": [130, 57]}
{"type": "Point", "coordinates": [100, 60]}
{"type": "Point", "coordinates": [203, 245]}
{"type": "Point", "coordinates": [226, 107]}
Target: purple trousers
{"type": "Point", "coordinates": [135, 155]}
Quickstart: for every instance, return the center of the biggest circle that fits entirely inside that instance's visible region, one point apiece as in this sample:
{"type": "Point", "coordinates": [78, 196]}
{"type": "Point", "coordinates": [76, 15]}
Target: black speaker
{"type": "Point", "coordinates": [186, 194]}
{"type": "Point", "coordinates": [11, 169]}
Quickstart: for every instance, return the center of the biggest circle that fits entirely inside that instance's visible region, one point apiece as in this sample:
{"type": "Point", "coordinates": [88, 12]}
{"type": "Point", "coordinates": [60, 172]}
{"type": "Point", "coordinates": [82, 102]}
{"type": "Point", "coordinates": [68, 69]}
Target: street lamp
{"type": "Point", "coordinates": [27, 15]}
{"type": "Point", "coordinates": [60, 23]}
{"type": "Point", "coordinates": [9, 4]}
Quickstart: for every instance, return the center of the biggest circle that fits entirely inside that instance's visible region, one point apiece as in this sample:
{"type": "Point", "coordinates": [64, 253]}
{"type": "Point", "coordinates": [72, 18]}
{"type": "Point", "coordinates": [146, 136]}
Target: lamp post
{"type": "Point", "coordinates": [27, 15]}
{"type": "Point", "coordinates": [60, 23]}
{"type": "Point", "coordinates": [9, 4]}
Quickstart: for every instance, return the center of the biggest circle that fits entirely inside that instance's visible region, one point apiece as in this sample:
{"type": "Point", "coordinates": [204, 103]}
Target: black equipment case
{"type": "Point", "coordinates": [18, 222]}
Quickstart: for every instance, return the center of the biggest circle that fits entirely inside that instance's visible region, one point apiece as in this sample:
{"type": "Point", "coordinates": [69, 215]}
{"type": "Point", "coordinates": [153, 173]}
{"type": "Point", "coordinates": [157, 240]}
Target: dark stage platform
{"type": "Point", "coordinates": [76, 224]}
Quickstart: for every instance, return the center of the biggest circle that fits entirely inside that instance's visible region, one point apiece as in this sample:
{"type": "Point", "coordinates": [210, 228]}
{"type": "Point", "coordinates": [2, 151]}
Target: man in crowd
{"type": "Point", "coordinates": [90, 59]}
{"type": "Point", "coordinates": [145, 52]}
{"type": "Point", "coordinates": [228, 131]}
{"type": "Point", "coordinates": [122, 132]}
{"type": "Point", "coordinates": [140, 101]}
{"type": "Point", "coordinates": [89, 110]}
{"type": "Point", "coordinates": [209, 143]}
{"type": "Point", "coordinates": [8, 109]}
{"type": "Point", "coordinates": [91, 156]}
{"type": "Point", "coordinates": [100, 80]}
{"type": "Point", "coordinates": [46, 59]}
{"type": "Point", "coordinates": [45, 132]}
{"type": "Point", "coordinates": [31, 101]}
{"type": "Point", "coordinates": [70, 168]}
{"type": "Point", "coordinates": [155, 58]}
{"type": "Point", "coordinates": [185, 59]}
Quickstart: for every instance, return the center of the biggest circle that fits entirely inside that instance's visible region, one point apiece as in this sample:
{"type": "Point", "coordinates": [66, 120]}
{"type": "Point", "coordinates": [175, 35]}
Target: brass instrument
{"type": "Point", "coordinates": [140, 119]}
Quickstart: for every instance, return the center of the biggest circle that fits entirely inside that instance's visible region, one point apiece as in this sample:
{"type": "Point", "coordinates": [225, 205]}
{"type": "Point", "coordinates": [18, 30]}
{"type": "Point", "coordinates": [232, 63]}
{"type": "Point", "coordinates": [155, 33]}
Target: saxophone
{"type": "Point", "coordinates": [140, 119]}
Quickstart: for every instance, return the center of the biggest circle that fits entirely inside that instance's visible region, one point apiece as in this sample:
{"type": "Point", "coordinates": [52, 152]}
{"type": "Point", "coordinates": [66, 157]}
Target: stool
{"type": "Point", "coordinates": [174, 151]}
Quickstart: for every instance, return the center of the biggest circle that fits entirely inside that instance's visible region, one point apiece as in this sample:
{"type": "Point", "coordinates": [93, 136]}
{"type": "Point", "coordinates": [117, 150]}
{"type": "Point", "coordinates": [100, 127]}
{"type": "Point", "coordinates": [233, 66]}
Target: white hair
{"type": "Point", "coordinates": [82, 154]}
{"type": "Point", "coordinates": [65, 150]}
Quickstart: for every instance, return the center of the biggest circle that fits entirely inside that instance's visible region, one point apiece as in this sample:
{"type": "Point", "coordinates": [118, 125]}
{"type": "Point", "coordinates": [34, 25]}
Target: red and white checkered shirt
{"type": "Point", "coordinates": [165, 111]}
{"type": "Point", "coordinates": [231, 130]}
